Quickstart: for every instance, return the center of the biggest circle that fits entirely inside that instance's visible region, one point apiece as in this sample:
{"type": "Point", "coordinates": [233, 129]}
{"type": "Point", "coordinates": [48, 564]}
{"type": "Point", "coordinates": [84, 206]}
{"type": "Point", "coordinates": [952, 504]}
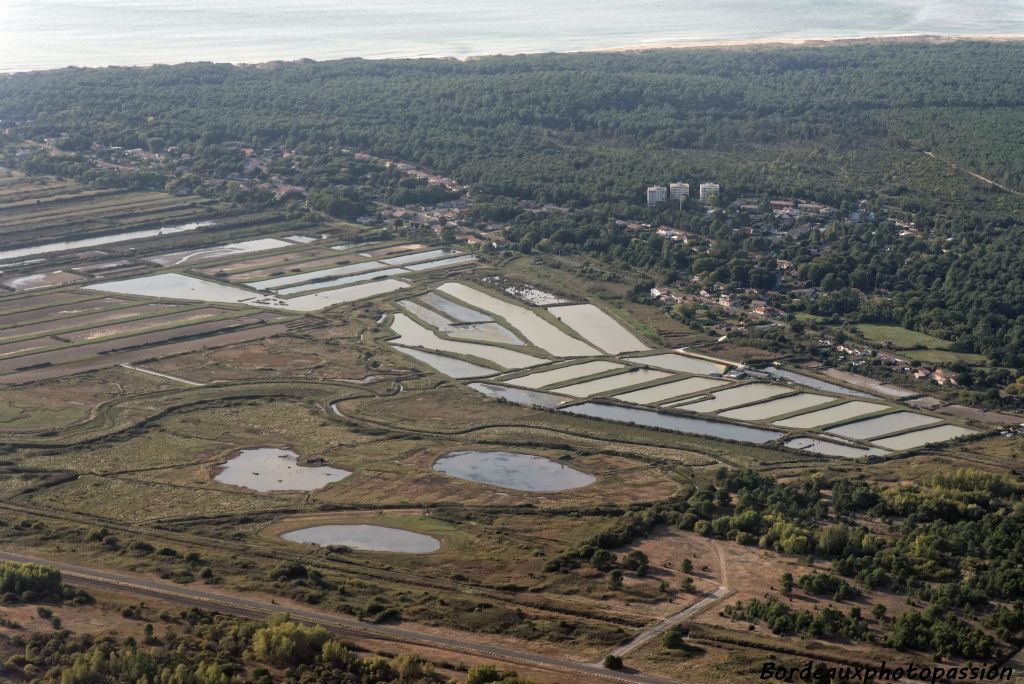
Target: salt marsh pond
{"type": "Point", "coordinates": [65, 246]}
{"type": "Point", "coordinates": [680, 364]}
{"type": "Point", "coordinates": [449, 365]}
{"type": "Point", "coordinates": [670, 390]}
{"type": "Point", "coordinates": [177, 286]}
{"type": "Point", "coordinates": [636, 376]}
{"type": "Point", "coordinates": [365, 538]}
{"type": "Point", "coordinates": [412, 334]}
{"type": "Point", "coordinates": [540, 332]}
{"type": "Point", "coordinates": [512, 471]}
{"type": "Point", "coordinates": [778, 407]}
{"type": "Point", "coordinates": [522, 397]}
{"type": "Point", "coordinates": [825, 448]}
{"type": "Point", "coordinates": [564, 374]}
{"type": "Point", "coordinates": [271, 470]}
{"type": "Point", "coordinates": [884, 425]}
{"type": "Point", "coordinates": [598, 328]}
{"type": "Point", "coordinates": [695, 426]}
{"type": "Point", "coordinates": [911, 440]}
{"type": "Point", "coordinates": [831, 415]}
{"type": "Point", "coordinates": [734, 396]}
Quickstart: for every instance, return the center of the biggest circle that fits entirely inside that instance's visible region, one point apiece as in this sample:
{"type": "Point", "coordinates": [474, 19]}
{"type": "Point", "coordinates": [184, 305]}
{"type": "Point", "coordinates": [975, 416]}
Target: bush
{"type": "Point", "coordinates": [486, 674]}
{"type": "Point", "coordinates": [824, 583]}
{"type": "Point", "coordinates": [673, 636]}
{"type": "Point", "coordinates": [284, 643]}
{"type": "Point", "coordinates": [30, 581]}
{"type": "Point", "coordinates": [612, 662]}
{"type": "Point", "coordinates": [636, 561]}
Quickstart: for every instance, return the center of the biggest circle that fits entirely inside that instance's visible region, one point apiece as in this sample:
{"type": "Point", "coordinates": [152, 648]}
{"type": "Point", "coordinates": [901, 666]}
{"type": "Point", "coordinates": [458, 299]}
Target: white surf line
{"type": "Point", "coordinates": [162, 375]}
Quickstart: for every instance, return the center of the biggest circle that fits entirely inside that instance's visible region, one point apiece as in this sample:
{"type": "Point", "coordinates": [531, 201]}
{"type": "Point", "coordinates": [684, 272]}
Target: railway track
{"type": "Point", "coordinates": [248, 607]}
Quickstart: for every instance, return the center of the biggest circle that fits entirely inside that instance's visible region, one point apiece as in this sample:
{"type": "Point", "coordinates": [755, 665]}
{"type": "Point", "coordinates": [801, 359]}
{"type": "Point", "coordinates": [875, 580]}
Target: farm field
{"type": "Point", "coordinates": [900, 338]}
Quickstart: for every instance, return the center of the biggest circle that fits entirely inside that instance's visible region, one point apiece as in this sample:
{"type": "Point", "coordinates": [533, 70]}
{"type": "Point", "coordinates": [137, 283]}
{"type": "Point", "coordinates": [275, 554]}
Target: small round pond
{"type": "Point", "coordinates": [513, 471]}
{"type": "Point", "coordinates": [365, 538]}
{"type": "Point", "coordinates": [270, 470]}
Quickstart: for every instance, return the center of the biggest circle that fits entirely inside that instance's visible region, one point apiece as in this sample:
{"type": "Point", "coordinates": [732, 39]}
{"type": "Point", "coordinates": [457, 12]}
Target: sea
{"type": "Point", "coordinates": [47, 34]}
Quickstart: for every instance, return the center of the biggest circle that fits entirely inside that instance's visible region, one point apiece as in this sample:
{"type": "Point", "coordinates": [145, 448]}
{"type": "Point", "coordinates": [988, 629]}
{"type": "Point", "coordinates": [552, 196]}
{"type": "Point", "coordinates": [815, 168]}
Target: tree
{"type": "Point", "coordinates": [30, 581]}
{"type": "Point", "coordinates": [612, 662]}
{"type": "Point", "coordinates": [687, 566]}
{"type": "Point", "coordinates": [411, 667]}
{"type": "Point", "coordinates": [686, 585]}
{"type": "Point", "coordinates": [636, 561]}
{"type": "Point", "coordinates": [878, 611]}
{"type": "Point", "coordinates": [286, 644]}
{"type": "Point", "coordinates": [673, 636]}
{"type": "Point", "coordinates": [484, 674]}
{"type": "Point", "coordinates": [787, 583]}
{"type": "Point", "coordinates": [615, 580]}
{"type": "Point", "coordinates": [602, 559]}
{"type": "Point", "coordinates": [832, 539]}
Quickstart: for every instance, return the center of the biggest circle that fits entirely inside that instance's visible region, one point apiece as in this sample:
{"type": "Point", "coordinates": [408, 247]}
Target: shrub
{"type": "Point", "coordinates": [612, 662]}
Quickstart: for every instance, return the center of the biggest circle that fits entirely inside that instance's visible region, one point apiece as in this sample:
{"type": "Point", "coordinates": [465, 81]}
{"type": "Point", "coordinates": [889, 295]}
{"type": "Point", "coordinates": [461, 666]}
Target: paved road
{"type": "Point", "coordinates": [257, 608]}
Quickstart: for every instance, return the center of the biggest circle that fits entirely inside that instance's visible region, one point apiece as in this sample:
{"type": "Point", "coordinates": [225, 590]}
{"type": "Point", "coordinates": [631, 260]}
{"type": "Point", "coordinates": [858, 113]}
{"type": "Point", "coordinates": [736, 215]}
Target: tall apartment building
{"type": "Point", "coordinates": [678, 191]}
{"type": "Point", "coordinates": [656, 194]}
{"type": "Point", "coordinates": [707, 190]}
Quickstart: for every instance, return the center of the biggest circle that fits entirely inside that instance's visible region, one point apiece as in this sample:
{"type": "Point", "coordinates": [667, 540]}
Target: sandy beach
{"type": "Point", "coordinates": [38, 35]}
{"type": "Point", "coordinates": [804, 42]}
